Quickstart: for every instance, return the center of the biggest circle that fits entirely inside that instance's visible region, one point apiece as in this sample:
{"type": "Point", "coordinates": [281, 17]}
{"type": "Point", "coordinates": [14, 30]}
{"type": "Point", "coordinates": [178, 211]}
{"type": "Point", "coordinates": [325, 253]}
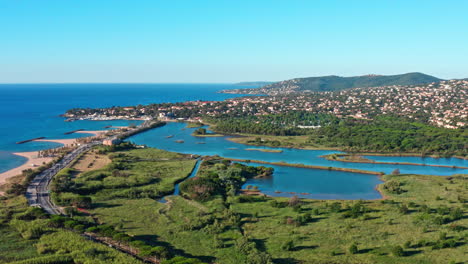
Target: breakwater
{"type": "Point", "coordinates": [74, 131]}
{"type": "Point", "coordinates": [29, 140]}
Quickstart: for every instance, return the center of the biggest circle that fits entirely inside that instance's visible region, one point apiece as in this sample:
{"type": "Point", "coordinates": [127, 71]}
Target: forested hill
{"type": "Point", "coordinates": [336, 83]}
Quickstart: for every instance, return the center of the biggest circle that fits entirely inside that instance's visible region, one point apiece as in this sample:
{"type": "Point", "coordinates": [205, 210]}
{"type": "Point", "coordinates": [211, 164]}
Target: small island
{"type": "Point", "coordinates": [202, 132]}
{"type": "Point", "coordinates": [265, 150]}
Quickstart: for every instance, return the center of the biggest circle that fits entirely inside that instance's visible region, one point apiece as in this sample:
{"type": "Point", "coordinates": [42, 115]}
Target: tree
{"type": "Point", "coordinates": [200, 131]}
{"type": "Point", "coordinates": [396, 172]}
{"type": "Point", "coordinates": [82, 202]}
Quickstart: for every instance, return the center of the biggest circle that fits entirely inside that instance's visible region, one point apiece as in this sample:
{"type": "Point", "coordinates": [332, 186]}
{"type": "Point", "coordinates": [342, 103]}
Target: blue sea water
{"type": "Point", "coordinates": [32, 110]}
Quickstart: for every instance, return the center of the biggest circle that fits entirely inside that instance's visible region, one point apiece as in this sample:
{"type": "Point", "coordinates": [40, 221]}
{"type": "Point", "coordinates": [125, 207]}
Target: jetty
{"type": "Point", "coordinates": [29, 140]}
{"type": "Point", "coordinates": [71, 132]}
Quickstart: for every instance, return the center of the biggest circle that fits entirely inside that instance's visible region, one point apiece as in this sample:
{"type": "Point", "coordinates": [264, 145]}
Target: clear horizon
{"type": "Point", "coordinates": [206, 41]}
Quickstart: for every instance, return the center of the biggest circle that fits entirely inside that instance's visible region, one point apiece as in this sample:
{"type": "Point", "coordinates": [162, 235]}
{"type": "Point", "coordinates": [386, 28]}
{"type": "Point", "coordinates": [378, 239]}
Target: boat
{"type": "Point", "coordinates": [179, 141]}
{"type": "Point", "coordinates": [170, 136]}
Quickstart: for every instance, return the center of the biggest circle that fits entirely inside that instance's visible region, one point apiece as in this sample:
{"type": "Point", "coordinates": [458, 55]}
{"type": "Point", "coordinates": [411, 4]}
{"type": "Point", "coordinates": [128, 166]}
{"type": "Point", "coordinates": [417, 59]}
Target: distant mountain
{"type": "Point", "coordinates": [261, 83]}
{"type": "Point", "coordinates": [336, 83]}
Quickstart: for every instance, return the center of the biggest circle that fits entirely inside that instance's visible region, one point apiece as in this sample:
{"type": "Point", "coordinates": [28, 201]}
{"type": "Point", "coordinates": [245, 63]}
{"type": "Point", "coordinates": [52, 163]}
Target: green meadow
{"type": "Point", "coordinates": [422, 219]}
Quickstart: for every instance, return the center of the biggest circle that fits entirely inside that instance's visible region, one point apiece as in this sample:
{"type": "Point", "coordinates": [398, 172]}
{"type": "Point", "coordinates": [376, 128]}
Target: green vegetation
{"type": "Point", "coordinates": [384, 134]}
{"type": "Point", "coordinates": [134, 173]}
{"type": "Point", "coordinates": [265, 150]}
{"type": "Point", "coordinates": [277, 125]}
{"type": "Point", "coordinates": [29, 236]}
{"type": "Point", "coordinates": [194, 124]}
{"type": "Point", "coordinates": [236, 229]}
{"type": "Point", "coordinates": [220, 177]}
{"type": "Point", "coordinates": [202, 132]}
{"type": "Point", "coordinates": [215, 224]}
{"type": "Point", "coordinates": [336, 83]}
{"type": "Point", "coordinates": [422, 220]}
{"type": "Point", "coordinates": [392, 134]}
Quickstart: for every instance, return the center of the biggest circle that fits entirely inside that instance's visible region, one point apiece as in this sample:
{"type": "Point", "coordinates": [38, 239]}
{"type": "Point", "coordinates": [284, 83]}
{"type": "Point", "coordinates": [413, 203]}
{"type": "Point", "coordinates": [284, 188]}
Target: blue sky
{"type": "Point", "coordinates": [228, 41]}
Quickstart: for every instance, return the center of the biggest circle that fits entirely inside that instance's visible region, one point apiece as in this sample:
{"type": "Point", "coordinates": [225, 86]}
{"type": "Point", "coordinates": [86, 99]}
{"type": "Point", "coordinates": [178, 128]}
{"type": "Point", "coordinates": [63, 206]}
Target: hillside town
{"type": "Point", "coordinates": [442, 104]}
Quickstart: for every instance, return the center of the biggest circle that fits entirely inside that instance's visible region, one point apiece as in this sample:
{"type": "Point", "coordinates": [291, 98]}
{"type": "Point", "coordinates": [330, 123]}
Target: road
{"type": "Point", "coordinates": [38, 193]}
{"type": "Point", "coordinates": [38, 190]}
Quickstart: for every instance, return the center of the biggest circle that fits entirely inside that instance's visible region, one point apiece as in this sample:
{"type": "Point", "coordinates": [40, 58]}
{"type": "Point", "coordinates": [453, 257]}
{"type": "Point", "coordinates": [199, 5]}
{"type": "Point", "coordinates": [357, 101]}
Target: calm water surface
{"type": "Point", "coordinates": [319, 183]}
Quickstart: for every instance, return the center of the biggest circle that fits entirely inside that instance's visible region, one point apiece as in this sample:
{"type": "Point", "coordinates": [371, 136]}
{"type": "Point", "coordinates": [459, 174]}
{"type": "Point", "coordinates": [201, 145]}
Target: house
{"type": "Point", "coordinates": [112, 141]}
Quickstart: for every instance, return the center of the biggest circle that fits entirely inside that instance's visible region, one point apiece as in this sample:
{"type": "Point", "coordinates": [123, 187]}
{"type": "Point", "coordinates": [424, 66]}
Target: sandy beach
{"type": "Point", "coordinates": [32, 160]}
{"type": "Point", "coordinates": [61, 141]}
{"type": "Point", "coordinates": [93, 132]}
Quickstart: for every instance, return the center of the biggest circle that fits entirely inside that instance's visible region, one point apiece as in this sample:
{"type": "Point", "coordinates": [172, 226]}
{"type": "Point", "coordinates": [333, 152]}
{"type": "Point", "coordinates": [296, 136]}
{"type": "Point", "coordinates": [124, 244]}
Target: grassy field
{"type": "Point", "coordinates": [91, 161]}
{"type": "Point", "coordinates": [137, 173]}
{"type": "Point", "coordinates": [28, 236]}
{"type": "Point", "coordinates": [422, 220]}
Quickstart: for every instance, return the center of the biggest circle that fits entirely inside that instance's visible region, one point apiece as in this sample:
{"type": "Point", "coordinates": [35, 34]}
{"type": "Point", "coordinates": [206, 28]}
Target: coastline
{"type": "Point", "coordinates": [31, 159]}
{"type": "Point", "coordinates": [64, 142]}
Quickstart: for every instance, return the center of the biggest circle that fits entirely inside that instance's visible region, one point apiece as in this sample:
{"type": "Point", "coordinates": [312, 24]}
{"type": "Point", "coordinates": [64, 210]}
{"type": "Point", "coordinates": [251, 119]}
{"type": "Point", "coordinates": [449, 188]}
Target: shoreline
{"type": "Point", "coordinates": [31, 158]}
{"type": "Point", "coordinates": [390, 163]}
{"type": "Point", "coordinates": [64, 142]}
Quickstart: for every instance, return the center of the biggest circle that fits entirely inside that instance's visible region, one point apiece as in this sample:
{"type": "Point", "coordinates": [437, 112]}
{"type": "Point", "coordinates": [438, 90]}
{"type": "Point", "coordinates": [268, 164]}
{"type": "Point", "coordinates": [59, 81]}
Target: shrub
{"type": "Point", "coordinates": [393, 186]}
{"type": "Point", "coordinates": [335, 207]}
{"type": "Point", "coordinates": [294, 201]}
{"type": "Point", "coordinates": [398, 251]}
{"type": "Point", "coordinates": [277, 204]}
{"type": "Point", "coordinates": [403, 209]}
{"type": "Point", "coordinates": [407, 244]}
{"type": "Point", "coordinates": [353, 249]}
{"type": "Point", "coordinates": [288, 245]}
{"type": "Point", "coordinates": [456, 214]}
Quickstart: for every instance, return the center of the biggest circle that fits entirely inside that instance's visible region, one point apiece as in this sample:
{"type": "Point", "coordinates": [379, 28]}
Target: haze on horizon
{"type": "Point", "coordinates": [52, 41]}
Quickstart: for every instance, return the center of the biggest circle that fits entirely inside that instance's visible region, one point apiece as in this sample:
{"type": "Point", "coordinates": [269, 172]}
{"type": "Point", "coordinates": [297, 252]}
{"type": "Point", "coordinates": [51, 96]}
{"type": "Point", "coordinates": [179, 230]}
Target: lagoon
{"type": "Point", "coordinates": [321, 184]}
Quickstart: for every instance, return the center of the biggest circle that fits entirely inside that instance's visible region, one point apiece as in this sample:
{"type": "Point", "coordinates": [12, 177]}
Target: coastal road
{"type": "Point", "coordinates": [38, 191]}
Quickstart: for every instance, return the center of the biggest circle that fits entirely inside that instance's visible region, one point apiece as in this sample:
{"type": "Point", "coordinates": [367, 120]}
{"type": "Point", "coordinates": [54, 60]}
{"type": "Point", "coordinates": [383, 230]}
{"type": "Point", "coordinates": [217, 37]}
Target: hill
{"type": "Point", "coordinates": [336, 83]}
{"type": "Point", "coordinates": [259, 83]}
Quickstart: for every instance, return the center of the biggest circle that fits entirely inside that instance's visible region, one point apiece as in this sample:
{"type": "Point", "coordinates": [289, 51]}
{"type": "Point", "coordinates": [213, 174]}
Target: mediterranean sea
{"type": "Point", "coordinates": [32, 110]}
